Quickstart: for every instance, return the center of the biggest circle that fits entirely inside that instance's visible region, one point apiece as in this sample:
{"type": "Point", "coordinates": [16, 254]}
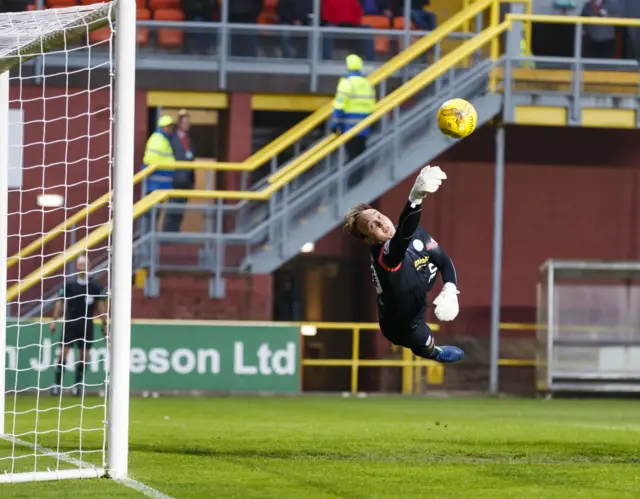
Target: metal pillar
{"type": "Point", "coordinates": [498, 212]}
{"type": "Point", "coordinates": [407, 36]}
{"type": "Point", "coordinates": [315, 43]}
{"type": "Point", "coordinates": [223, 43]}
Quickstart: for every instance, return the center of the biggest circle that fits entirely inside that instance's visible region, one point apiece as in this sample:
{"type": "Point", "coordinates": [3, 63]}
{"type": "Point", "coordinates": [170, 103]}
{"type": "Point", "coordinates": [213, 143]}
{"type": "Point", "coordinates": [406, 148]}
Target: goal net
{"type": "Point", "coordinates": [589, 326]}
{"type": "Point", "coordinates": [59, 153]}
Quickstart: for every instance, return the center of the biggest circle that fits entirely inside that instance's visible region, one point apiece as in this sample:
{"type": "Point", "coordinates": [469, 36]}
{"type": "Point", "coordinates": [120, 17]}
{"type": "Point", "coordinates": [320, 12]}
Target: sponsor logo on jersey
{"type": "Point", "coordinates": [418, 244]}
{"type": "Point", "coordinates": [432, 244]}
{"type": "Point", "coordinates": [421, 262]}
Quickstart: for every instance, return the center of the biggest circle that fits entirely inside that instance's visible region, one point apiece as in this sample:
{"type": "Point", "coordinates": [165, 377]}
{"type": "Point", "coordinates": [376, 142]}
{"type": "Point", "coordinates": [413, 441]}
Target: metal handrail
{"type": "Point", "coordinates": [602, 21]}
{"type": "Point", "coordinates": [103, 200]}
{"type": "Point", "coordinates": [409, 363]}
{"type": "Point", "coordinates": [202, 27]}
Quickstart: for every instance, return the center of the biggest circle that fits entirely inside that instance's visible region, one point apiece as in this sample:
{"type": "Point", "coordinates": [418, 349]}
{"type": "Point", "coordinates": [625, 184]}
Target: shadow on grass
{"type": "Point", "coordinates": [456, 452]}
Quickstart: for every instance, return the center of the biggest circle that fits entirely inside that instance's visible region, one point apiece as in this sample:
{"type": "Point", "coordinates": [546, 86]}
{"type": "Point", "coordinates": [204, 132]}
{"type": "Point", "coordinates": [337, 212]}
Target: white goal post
{"type": "Point", "coordinates": [66, 137]}
{"type": "Point", "coordinates": [588, 326]}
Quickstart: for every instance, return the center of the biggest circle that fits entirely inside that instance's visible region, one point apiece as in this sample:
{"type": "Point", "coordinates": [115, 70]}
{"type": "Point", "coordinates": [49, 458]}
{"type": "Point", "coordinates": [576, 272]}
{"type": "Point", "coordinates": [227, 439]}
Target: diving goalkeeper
{"type": "Point", "coordinates": [404, 263]}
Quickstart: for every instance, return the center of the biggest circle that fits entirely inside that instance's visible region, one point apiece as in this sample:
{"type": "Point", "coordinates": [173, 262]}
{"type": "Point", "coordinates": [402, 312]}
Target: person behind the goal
{"type": "Point", "coordinates": [82, 300]}
{"type": "Point", "coordinates": [404, 262]}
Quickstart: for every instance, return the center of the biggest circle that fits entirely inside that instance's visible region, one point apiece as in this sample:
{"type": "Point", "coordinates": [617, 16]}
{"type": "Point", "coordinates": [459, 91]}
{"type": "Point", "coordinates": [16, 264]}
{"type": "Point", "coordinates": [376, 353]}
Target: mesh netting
{"type": "Point", "coordinates": [60, 162]}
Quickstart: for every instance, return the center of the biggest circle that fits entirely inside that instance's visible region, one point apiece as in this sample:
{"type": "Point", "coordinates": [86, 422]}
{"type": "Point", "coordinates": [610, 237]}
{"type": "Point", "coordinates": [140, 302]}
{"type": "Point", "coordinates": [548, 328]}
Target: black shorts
{"type": "Point", "coordinates": [77, 333]}
{"type": "Point", "coordinates": [415, 335]}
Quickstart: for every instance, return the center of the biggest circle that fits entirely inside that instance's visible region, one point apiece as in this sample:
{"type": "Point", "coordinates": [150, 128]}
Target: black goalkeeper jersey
{"type": "Point", "coordinates": [80, 299]}
{"type": "Point", "coordinates": [404, 270]}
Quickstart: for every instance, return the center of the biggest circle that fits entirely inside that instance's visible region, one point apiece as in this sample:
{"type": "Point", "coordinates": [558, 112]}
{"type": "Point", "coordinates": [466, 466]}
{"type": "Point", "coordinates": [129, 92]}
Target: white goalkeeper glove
{"type": "Point", "coordinates": [428, 182]}
{"type": "Point", "coordinates": [446, 303]}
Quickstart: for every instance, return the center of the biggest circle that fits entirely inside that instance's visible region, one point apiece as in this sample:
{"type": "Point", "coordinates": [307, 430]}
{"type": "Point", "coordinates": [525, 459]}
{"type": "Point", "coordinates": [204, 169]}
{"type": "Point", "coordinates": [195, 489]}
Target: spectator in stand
{"type": "Point", "coordinates": [159, 150]}
{"type": "Point", "coordinates": [198, 11]}
{"type": "Point", "coordinates": [355, 100]}
{"type": "Point", "coordinates": [377, 8]}
{"type": "Point", "coordinates": [600, 40]}
{"type": "Point", "coordinates": [294, 13]}
{"type": "Point", "coordinates": [244, 43]}
{"type": "Point", "coordinates": [420, 15]}
{"type": "Point", "coordinates": [345, 14]}
{"type": "Point", "coordinates": [182, 179]}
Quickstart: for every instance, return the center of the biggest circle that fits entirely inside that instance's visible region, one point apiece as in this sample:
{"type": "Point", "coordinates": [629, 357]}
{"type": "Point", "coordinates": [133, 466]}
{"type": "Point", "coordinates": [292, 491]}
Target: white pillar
{"type": "Point", "coordinates": [120, 328]}
{"type": "Point", "coordinates": [4, 232]}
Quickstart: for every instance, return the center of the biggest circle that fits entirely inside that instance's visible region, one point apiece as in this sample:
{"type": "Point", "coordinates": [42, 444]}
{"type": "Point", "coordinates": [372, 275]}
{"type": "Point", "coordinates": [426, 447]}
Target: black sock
{"type": "Point", "coordinates": [59, 369]}
{"type": "Point", "coordinates": [427, 351]}
{"type": "Point", "coordinates": [80, 372]}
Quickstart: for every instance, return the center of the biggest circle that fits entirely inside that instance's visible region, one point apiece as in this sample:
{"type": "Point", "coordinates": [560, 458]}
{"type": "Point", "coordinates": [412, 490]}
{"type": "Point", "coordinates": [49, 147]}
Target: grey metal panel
{"type": "Point", "coordinates": [595, 387]}
{"type": "Point", "coordinates": [590, 376]}
{"type": "Point", "coordinates": [587, 101]}
{"type": "Point", "coordinates": [567, 269]}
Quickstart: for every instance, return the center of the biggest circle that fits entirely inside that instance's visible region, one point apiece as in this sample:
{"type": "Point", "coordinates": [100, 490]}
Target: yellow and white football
{"type": "Point", "coordinates": [457, 118]}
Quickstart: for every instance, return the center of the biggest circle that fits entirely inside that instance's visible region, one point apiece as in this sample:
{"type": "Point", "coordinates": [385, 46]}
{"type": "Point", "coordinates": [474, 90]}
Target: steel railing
{"type": "Point", "coordinates": [414, 369]}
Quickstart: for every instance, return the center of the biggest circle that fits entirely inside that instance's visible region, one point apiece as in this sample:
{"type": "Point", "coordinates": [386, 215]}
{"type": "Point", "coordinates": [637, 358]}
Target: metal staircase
{"type": "Point", "coordinates": [314, 203]}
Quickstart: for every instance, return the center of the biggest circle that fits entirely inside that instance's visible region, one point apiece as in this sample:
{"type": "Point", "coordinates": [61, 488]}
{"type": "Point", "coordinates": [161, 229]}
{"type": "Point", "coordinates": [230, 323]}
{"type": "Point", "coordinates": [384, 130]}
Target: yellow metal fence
{"type": "Point", "coordinates": [412, 366]}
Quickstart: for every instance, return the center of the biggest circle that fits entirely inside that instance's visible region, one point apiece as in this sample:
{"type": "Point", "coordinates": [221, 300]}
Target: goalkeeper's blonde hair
{"type": "Point", "coordinates": [350, 223]}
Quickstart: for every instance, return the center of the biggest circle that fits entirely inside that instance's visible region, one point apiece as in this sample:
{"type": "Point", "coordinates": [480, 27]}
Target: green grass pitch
{"type": "Point", "coordinates": [323, 447]}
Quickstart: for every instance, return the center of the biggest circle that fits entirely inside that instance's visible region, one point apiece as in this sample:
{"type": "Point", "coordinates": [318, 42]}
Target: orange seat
{"type": "Point", "coordinates": [169, 37]}
{"type": "Point", "coordinates": [164, 4]}
{"type": "Point", "coordinates": [378, 22]}
{"type": "Point", "coordinates": [141, 4]}
{"type": "Point", "coordinates": [142, 34]}
{"type": "Point", "coordinates": [32, 6]}
{"type": "Point", "coordinates": [100, 35]}
{"type": "Point", "coordinates": [89, 2]}
{"type": "Point", "coordinates": [267, 18]}
{"type": "Point", "coordinates": [398, 23]}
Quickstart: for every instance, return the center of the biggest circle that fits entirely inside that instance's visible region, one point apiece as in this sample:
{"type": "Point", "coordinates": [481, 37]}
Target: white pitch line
{"type": "Point", "coordinates": [127, 482]}
{"type": "Point", "coordinates": [143, 489]}
{"type": "Point", "coordinates": [599, 426]}
{"type": "Point", "coordinates": [48, 452]}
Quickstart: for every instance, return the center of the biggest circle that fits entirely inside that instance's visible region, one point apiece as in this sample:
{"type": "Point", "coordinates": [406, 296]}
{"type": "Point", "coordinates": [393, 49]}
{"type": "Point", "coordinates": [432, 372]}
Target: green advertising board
{"type": "Point", "coordinates": [169, 356]}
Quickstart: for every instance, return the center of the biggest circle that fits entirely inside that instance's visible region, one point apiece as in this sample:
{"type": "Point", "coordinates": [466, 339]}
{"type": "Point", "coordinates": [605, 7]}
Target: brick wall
{"type": "Point", "coordinates": [187, 297]}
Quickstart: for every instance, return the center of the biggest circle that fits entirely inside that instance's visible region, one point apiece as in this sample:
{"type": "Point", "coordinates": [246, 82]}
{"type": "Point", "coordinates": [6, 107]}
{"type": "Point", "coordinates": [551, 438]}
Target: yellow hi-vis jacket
{"type": "Point", "coordinates": [355, 100]}
{"type": "Point", "coordinates": [159, 151]}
